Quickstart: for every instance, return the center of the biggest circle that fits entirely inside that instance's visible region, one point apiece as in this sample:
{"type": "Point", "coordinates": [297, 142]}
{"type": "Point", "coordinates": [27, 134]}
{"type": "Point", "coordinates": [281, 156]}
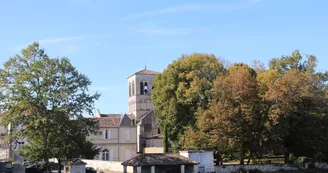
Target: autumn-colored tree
{"type": "Point", "coordinates": [295, 95]}
{"type": "Point", "coordinates": [234, 120]}
{"type": "Point", "coordinates": [183, 88]}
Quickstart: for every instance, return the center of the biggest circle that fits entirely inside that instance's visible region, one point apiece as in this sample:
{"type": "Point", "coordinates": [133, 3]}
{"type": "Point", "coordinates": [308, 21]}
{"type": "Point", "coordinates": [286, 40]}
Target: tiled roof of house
{"type": "Point", "coordinates": [159, 159]}
{"type": "Point", "coordinates": [145, 72]}
{"type": "Point", "coordinates": [109, 121]}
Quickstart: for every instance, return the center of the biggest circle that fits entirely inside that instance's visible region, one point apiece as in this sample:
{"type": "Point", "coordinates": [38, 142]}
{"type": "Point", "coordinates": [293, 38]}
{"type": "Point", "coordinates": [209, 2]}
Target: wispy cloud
{"type": "Point", "coordinates": [196, 7]}
{"type": "Point", "coordinates": [59, 40]}
{"type": "Point", "coordinates": [50, 41]}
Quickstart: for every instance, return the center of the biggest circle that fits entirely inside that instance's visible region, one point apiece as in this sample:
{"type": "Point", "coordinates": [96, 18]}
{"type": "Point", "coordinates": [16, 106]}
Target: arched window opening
{"type": "Point", "coordinates": [141, 88]}
{"type": "Point", "coordinates": [132, 88]}
{"type": "Point", "coordinates": [105, 155]}
{"type": "Point", "coordinates": [129, 89]}
{"type": "Point", "coordinates": [146, 88]}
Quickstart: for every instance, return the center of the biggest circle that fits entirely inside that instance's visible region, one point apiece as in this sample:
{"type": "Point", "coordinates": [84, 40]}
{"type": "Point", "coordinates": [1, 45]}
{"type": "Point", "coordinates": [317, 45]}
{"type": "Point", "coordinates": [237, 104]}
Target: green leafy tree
{"type": "Point", "coordinates": [69, 140]}
{"type": "Point", "coordinates": [41, 92]}
{"type": "Point", "coordinates": [183, 88]}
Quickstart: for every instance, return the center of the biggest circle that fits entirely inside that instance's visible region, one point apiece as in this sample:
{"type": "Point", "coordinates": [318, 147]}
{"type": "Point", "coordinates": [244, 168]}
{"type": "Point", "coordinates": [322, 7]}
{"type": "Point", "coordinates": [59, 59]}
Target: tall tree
{"type": "Point", "coordinates": [183, 88]}
{"type": "Point", "coordinates": [234, 121]}
{"type": "Point", "coordinates": [40, 92]}
{"type": "Point", "coordinates": [295, 95]}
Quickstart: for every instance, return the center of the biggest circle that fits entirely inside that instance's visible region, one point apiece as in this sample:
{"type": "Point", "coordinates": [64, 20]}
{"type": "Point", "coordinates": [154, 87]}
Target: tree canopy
{"type": "Point", "coordinates": [243, 110]}
{"type": "Point", "coordinates": [183, 88]}
{"type": "Point", "coordinates": [40, 94]}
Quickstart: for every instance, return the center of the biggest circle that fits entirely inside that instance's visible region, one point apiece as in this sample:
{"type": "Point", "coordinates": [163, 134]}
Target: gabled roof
{"type": "Point", "coordinates": [109, 121]}
{"type": "Point", "coordinates": [145, 72]}
{"type": "Point", "coordinates": [159, 159]}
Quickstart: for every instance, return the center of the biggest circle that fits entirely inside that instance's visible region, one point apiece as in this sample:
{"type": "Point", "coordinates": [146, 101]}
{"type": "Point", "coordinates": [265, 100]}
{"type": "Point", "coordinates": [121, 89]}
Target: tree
{"type": "Point", "coordinates": [40, 93]}
{"type": "Point", "coordinates": [69, 140]}
{"type": "Point", "coordinates": [183, 88]}
{"type": "Point", "coordinates": [234, 121]}
{"type": "Point", "coordinates": [297, 107]}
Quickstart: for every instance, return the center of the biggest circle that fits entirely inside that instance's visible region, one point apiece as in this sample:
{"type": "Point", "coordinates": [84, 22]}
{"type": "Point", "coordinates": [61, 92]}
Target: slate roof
{"type": "Point", "coordinates": [159, 159]}
{"type": "Point", "coordinates": [145, 72]}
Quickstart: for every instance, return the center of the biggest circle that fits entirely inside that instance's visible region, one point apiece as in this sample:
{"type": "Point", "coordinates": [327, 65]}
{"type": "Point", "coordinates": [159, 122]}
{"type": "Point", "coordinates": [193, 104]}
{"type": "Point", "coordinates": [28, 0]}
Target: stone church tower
{"type": "Point", "coordinates": [140, 88]}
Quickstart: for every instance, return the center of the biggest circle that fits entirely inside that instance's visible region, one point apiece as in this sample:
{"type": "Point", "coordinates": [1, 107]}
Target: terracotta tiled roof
{"type": "Point", "coordinates": [159, 159]}
{"type": "Point", "coordinates": [145, 72]}
{"type": "Point", "coordinates": [109, 121]}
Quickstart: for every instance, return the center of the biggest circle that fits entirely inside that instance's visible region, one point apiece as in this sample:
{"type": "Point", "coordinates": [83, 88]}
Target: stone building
{"type": "Point", "coordinates": [124, 136]}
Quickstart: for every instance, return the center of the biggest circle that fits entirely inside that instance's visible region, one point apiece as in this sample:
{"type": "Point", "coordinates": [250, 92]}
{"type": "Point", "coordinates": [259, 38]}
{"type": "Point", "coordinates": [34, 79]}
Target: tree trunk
{"type": "Point", "coordinates": [165, 140]}
{"type": "Point", "coordinates": [249, 158]}
{"type": "Point", "coordinates": [286, 155]}
{"type": "Point", "coordinates": [241, 157]}
{"type": "Point", "coordinates": [59, 165]}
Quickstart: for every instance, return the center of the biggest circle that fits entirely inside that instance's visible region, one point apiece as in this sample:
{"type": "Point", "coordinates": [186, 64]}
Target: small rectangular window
{"type": "Point", "coordinates": [106, 134]}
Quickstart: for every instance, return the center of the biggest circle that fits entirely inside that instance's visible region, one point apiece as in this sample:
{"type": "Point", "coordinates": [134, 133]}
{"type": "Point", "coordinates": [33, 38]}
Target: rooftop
{"type": "Point", "coordinates": [159, 159]}
{"type": "Point", "coordinates": [145, 72]}
{"type": "Point", "coordinates": [109, 121]}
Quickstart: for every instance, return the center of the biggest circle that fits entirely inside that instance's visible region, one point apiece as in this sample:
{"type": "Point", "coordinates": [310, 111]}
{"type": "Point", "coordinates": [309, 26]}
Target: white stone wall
{"type": "Point", "coordinates": [263, 168]}
{"type": "Point", "coordinates": [205, 159]}
{"type": "Point", "coordinates": [106, 165]}
{"type": "Point", "coordinates": [321, 165]}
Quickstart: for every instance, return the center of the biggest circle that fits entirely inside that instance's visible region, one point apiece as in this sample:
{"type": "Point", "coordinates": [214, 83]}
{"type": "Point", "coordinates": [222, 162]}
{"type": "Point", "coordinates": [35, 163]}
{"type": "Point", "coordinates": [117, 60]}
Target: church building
{"type": "Point", "coordinates": [124, 136]}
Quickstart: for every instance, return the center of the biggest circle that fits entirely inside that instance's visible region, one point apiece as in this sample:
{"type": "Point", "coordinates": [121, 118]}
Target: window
{"type": "Point", "coordinates": [127, 134]}
{"type": "Point", "coordinates": [105, 154]}
{"type": "Point", "coordinates": [107, 134]}
{"type": "Point", "coordinates": [146, 88]}
{"type": "Point", "coordinates": [129, 89]}
{"type": "Point", "coordinates": [141, 88]}
{"type": "Point", "coordinates": [132, 88]}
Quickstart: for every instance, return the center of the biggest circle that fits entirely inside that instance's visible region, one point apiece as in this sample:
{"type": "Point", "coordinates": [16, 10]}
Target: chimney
{"type": "Point", "coordinates": [98, 113]}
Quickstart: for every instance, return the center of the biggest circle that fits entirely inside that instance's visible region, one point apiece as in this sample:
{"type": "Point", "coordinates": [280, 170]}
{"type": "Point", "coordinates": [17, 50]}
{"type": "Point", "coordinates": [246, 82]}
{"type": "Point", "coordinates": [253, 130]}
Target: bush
{"type": "Point", "coordinates": [292, 158]}
{"type": "Point", "coordinates": [301, 160]}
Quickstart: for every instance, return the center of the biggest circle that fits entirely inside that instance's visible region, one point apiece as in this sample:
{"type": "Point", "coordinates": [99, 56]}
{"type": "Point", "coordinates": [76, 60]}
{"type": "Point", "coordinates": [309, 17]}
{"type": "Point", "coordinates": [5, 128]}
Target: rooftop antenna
{"type": "Point", "coordinates": [146, 65]}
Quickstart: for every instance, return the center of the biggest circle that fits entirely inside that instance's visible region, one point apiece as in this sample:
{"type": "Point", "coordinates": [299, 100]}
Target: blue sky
{"type": "Point", "coordinates": [109, 40]}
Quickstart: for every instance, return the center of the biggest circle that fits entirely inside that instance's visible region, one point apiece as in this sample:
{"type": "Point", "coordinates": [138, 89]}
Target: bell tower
{"type": "Point", "coordinates": [140, 88]}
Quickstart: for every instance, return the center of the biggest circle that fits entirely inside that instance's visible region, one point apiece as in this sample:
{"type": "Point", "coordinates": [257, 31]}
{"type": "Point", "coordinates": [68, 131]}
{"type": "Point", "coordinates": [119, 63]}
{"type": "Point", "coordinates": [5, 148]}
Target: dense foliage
{"type": "Point", "coordinates": [40, 95]}
{"type": "Point", "coordinates": [242, 110]}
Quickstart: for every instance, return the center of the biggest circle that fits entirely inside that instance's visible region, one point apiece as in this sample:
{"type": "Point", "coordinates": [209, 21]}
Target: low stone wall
{"type": "Point", "coordinates": [106, 165]}
{"type": "Point", "coordinates": [321, 165]}
{"type": "Point", "coordinates": [263, 168]}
